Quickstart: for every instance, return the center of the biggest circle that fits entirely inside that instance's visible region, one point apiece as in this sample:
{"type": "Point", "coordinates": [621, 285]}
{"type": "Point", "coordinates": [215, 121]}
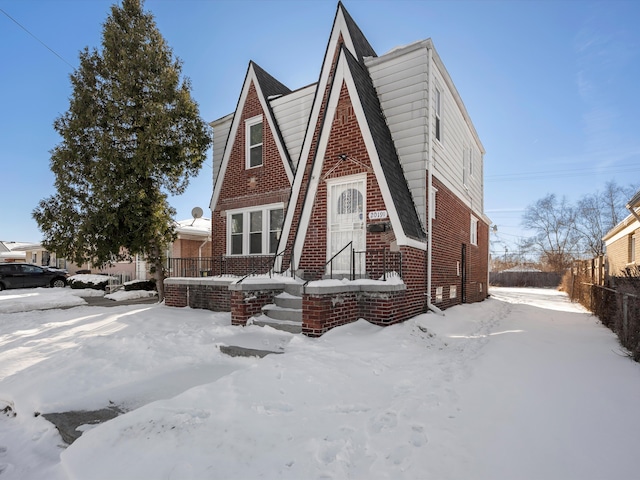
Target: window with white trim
{"type": "Point", "coordinates": [632, 248]}
{"type": "Point", "coordinates": [253, 142]}
{"type": "Point", "coordinates": [474, 231]}
{"type": "Point", "coordinates": [471, 162]}
{"type": "Point", "coordinates": [254, 231]}
{"type": "Point", "coordinates": [438, 113]}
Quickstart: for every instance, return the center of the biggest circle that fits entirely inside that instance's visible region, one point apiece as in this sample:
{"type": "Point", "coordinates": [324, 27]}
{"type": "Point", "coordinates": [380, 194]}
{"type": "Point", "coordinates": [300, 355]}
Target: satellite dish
{"type": "Point", "coordinates": [196, 213]}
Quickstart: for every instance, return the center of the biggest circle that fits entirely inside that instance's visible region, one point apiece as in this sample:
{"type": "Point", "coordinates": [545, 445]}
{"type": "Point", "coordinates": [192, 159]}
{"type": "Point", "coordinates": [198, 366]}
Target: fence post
{"type": "Point", "coordinates": [625, 319]}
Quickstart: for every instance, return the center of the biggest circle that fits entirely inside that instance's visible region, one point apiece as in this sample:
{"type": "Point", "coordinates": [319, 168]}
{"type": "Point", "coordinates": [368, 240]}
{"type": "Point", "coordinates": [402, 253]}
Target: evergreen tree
{"type": "Point", "coordinates": [132, 135]}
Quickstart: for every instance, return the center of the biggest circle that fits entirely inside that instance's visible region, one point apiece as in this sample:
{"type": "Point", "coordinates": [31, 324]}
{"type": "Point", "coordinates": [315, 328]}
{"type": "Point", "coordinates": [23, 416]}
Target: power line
{"type": "Point", "coordinates": [578, 172]}
{"type": "Point", "coordinates": [41, 42]}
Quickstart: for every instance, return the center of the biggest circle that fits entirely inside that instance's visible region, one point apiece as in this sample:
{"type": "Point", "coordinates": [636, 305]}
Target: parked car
{"type": "Point", "coordinates": [25, 275]}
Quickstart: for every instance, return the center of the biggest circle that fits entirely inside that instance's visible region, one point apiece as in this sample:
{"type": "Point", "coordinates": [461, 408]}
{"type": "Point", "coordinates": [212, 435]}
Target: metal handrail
{"type": "Point", "coordinates": [330, 261]}
{"type": "Point", "coordinates": [272, 261]}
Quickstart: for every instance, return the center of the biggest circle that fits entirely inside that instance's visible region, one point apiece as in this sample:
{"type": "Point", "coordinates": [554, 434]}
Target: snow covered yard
{"type": "Point", "coordinates": [524, 386]}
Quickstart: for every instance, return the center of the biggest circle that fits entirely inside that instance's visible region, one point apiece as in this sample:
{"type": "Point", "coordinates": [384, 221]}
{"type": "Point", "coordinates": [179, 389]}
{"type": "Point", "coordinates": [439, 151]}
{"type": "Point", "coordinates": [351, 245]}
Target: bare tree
{"type": "Point", "coordinates": [599, 212]}
{"type": "Point", "coordinates": [556, 239]}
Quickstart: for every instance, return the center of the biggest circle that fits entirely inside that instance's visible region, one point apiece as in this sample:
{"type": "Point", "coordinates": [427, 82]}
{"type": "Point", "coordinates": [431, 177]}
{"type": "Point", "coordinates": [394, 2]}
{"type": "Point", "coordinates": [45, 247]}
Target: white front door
{"type": "Point", "coordinates": [346, 221]}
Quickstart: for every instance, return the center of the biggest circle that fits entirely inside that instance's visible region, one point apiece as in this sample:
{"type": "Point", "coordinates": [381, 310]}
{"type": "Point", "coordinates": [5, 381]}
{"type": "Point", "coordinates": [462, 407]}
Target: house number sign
{"type": "Point", "coordinates": [378, 215]}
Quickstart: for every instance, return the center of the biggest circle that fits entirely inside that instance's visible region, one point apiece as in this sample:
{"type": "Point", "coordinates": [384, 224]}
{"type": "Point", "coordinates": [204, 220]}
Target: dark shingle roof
{"type": "Point", "coordinates": [385, 147]}
{"type": "Point", "coordinates": [271, 87]}
{"type": "Point", "coordinates": [360, 43]}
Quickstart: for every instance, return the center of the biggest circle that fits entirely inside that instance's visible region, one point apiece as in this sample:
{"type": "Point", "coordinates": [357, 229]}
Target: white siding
{"type": "Point", "coordinates": [292, 115]}
{"type": "Point", "coordinates": [401, 79]}
{"type": "Point", "coordinates": [221, 130]}
{"type": "Point", "coordinates": [401, 82]}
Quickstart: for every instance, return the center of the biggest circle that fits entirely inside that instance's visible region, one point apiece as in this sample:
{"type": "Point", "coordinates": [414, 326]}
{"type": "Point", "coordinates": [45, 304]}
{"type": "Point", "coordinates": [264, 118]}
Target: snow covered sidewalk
{"type": "Point", "coordinates": [522, 386]}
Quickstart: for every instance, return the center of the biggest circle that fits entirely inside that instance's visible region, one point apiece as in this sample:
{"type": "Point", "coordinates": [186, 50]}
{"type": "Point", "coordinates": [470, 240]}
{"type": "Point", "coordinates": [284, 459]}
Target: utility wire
{"type": "Point", "coordinates": [41, 42]}
{"type": "Point", "coordinates": [578, 172]}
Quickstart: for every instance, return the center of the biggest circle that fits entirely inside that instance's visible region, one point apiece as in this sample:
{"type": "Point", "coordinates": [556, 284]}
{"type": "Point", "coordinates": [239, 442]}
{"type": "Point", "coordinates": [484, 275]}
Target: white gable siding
{"type": "Point", "coordinates": [221, 130]}
{"type": "Point", "coordinates": [401, 79]}
{"type": "Point", "coordinates": [450, 153]}
{"type": "Point", "coordinates": [292, 114]}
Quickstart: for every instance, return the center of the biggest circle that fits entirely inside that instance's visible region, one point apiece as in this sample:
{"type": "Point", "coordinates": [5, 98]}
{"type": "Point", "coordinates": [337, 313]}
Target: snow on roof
{"type": "Point", "coordinates": [194, 226]}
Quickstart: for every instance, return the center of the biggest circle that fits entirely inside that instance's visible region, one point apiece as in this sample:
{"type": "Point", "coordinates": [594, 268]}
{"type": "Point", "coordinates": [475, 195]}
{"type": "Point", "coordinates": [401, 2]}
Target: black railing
{"type": "Point", "coordinates": [222, 265]}
{"type": "Point", "coordinates": [373, 264]}
{"type": "Point", "coordinates": [351, 262]}
{"type": "Point", "coordinates": [378, 263]}
{"type": "Point", "coordinates": [266, 267]}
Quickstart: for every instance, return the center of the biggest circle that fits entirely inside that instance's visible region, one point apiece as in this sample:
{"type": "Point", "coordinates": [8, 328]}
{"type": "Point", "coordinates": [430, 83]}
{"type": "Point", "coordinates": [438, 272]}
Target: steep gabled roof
{"type": "Point", "coordinates": [266, 86]}
{"type": "Point", "coordinates": [385, 147]}
{"type": "Point", "coordinates": [360, 42]}
{"type": "Point", "coordinates": [272, 88]}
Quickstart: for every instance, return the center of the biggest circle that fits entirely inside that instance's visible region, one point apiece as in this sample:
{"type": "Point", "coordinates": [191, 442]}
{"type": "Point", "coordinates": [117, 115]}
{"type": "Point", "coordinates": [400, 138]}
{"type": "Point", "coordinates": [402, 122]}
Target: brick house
{"type": "Point", "coordinates": [622, 242]}
{"type": "Point", "coordinates": [375, 168]}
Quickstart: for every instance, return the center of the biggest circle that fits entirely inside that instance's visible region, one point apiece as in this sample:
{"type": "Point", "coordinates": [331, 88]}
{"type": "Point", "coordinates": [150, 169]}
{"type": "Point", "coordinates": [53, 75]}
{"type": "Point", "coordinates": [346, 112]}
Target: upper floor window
{"type": "Point", "coordinates": [632, 248]}
{"type": "Point", "coordinates": [254, 142]}
{"type": "Point", "coordinates": [438, 112]}
{"type": "Point", "coordinates": [474, 231]}
{"type": "Point", "coordinates": [471, 162]}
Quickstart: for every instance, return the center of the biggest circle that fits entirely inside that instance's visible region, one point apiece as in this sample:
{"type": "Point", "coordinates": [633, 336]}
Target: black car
{"type": "Point", "coordinates": [24, 275]}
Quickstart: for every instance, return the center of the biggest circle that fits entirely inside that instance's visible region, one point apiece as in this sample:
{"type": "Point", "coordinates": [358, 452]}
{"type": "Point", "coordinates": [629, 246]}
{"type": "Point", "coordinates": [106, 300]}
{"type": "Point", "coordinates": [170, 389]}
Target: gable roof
{"type": "Point", "coordinates": [360, 43]}
{"type": "Point", "coordinates": [266, 86]}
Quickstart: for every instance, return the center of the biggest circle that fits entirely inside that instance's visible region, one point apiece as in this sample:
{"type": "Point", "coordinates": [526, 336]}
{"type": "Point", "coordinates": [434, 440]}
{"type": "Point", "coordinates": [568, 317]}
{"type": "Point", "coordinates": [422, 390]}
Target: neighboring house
{"type": "Point", "coordinates": [622, 242]}
{"type": "Point", "coordinates": [194, 239]}
{"type": "Point", "coordinates": [379, 156]}
{"type": "Point", "coordinates": [10, 252]}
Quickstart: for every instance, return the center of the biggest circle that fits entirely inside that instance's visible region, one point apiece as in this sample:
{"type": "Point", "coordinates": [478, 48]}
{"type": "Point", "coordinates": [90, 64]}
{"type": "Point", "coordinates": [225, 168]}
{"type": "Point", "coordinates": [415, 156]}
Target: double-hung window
{"type": "Point", "coordinates": [438, 113]}
{"type": "Point", "coordinates": [254, 231]}
{"type": "Point", "coordinates": [253, 142]}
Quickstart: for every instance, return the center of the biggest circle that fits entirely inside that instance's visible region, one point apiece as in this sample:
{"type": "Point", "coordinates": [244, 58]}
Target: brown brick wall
{"type": "Point", "coordinates": [246, 304]}
{"type": "Point", "coordinates": [209, 297]}
{"type": "Point", "coordinates": [183, 248]}
{"type": "Point", "coordinates": [242, 187]}
{"type": "Point", "coordinates": [451, 230]}
{"type": "Point", "coordinates": [345, 138]}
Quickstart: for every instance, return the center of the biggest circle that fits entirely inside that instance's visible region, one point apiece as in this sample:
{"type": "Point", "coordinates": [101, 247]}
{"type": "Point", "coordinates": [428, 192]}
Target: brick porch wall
{"type": "Point", "coordinates": [326, 307]}
{"type": "Point", "coordinates": [208, 294]}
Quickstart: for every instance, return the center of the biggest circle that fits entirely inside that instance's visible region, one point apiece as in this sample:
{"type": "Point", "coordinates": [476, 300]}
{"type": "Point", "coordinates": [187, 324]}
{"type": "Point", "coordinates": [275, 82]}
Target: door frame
{"type": "Point", "coordinates": [330, 184]}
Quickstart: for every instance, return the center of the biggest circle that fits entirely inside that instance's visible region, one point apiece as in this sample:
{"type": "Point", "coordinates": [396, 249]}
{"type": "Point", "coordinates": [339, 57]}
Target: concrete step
{"type": "Point", "coordinates": [287, 300]}
{"type": "Point", "coordinates": [282, 313]}
{"type": "Point", "coordinates": [293, 289]}
{"type": "Point", "coordinates": [291, 326]}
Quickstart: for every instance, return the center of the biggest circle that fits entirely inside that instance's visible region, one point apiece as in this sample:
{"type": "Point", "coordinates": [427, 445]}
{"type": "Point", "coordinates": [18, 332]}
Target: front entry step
{"type": "Point", "coordinates": [286, 313]}
{"type": "Point", "coordinates": [284, 325]}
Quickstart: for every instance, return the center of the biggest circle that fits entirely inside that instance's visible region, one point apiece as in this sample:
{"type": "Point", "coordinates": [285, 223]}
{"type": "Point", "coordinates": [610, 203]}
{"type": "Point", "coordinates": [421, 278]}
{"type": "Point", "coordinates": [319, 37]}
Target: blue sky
{"type": "Point", "coordinates": [551, 86]}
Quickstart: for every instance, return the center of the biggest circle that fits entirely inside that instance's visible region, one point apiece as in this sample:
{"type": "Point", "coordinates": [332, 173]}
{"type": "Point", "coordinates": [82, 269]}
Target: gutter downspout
{"type": "Point", "coordinates": [430, 306]}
